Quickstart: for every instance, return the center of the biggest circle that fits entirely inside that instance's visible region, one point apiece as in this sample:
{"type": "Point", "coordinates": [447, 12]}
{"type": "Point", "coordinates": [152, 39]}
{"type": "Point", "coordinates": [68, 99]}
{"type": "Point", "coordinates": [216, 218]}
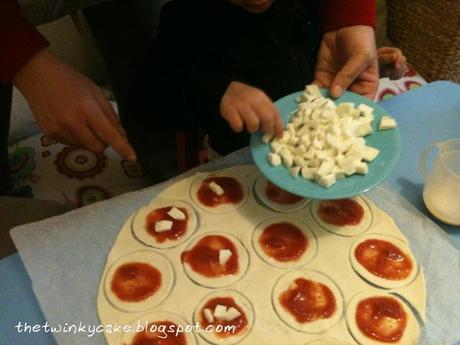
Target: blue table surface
{"type": "Point", "coordinates": [430, 113]}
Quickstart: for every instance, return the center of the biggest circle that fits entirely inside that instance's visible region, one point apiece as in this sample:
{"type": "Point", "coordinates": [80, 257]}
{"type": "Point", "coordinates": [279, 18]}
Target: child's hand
{"type": "Point", "coordinates": [246, 106]}
{"type": "Point", "coordinates": [392, 62]}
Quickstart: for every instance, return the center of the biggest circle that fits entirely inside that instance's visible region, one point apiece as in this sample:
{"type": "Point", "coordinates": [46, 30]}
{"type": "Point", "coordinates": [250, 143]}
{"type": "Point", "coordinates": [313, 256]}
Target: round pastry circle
{"type": "Point", "coordinates": [241, 301]}
{"type": "Point", "coordinates": [347, 230]}
{"type": "Point", "coordinates": [329, 341]}
{"type": "Point", "coordinates": [145, 319]}
{"type": "Point", "coordinates": [138, 225]}
{"type": "Point", "coordinates": [411, 333]}
{"type": "Point", "coordinates": [317, 326]}
{"type": "Point", "coordinates": [384, 283]}
{"type": "Point", "coordinates": [259, 190]}
{"type": "Point", "coordinates": [149, 257]}
{"type": "Point", "coordinates": [224, 208]}
{"type": "Point", "coordinates": [308, 255]}
{"type": "Point", "coordinates": [243, 263]}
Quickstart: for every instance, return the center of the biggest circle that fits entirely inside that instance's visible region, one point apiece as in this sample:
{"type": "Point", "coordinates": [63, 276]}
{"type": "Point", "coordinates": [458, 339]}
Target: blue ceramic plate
{"type": "Point", "coordinates": [388, 142]}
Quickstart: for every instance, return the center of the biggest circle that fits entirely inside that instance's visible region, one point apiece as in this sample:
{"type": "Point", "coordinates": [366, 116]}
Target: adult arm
{"type": "Point", "coordinates": [66, 105]}
{"type": "Point", "coordinates": [347, 58]}
{"type": "Point", "coordinates": [19, 40]}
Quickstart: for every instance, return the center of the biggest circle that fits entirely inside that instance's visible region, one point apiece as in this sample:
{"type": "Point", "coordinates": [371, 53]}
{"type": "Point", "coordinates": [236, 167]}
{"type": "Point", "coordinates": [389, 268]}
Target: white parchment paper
{"type": "Point", "coordinates": [64, 257]}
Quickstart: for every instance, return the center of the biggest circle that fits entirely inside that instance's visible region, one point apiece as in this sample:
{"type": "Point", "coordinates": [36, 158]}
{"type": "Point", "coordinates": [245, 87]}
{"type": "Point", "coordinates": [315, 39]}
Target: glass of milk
{"type": "Point", "coordinates": [441, 192]}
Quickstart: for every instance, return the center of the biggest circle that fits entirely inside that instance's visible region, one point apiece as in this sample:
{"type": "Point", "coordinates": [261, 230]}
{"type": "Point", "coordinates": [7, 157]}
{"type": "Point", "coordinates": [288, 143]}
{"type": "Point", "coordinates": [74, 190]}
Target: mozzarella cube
{"type": "Point", "coordinates": [348, 164]}
{"type": "Point", "coordinates": [216, 188]}
{"type": "Point", "coordinates": [232, 314]}
{"type": "Point", "coordinates": [325, 155]}
{"type": "Point", "coordinates": [267, 137]}
{"type": "Point", "coordinates": [327, 114]}
{"type": "Point", "coordinates": [387, 122]}
{"type": "Point", "coordinates": [335, 130]}
{"type": "Point", "coordinates": [300, 150]}
{"type": "Point", "coordinates": [339, 174]}
{"type": "Point", "coordinates": [299, 161]}
{"type": "Point", "coordinates": [365, 110]}
{"type": "Point", "coordinates": [208, 315]}
{"type": "Point", "coordinates": [330, 104]}
{"type": "Point", "coordinates": [325, 168]}
{"type": "Point", "coordinates": [345, 145]}
{"type": "Point", "coordinates": [327, 180]}
{"type": "Point", "coordinates": [361, 168]}
{"type": "Point", "coordinates": [224, 256]}
{"type": "Point", "coordinates": [294, 171]}
{"type": "Point", "coordinates": [369, 153]}
{"type": "Point", "coordinates": [177, 214]}
{"type": "Point", "coordinates": [345, 109]}
{"type": "Point", "coordinates": [332, 140]}
{"type": "Point", "coordinates": [313, 163]}
{"type": "Point", "coordinates": [310, 154]}
{"type": "Point", "coordinates": [163, 225]}
{"type": "Point", "coordinates": [274, 159]}
{"type": "Point", "coordinates": [287, 158]}
{"type": "Point", "coordinates": [363, 129]}
{"type": "Point", "coordinates": [318, 144]}
{"type": "Point", "coordinates": [276, 147]}
{"type": "Point", "coordinates": [220, 312]}
{"type": "Point", "coordinates": [293, 140]}
{"type": "Point", "coordinates": [285, 138]}
{"type": "Point", "coordinates": [313, 90]}
{"type": "Point", "coordinates": [305, 140]}
{"type": "Point", "coordinates": [308, 173]}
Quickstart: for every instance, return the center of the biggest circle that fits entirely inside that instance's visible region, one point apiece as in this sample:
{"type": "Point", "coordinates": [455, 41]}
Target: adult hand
{"type": "Point", "coordinates": [246, 106]}
{"type": "Point", "coordinates": [69, 107]}
{"type": "Point", "coordinates": [347, 59]}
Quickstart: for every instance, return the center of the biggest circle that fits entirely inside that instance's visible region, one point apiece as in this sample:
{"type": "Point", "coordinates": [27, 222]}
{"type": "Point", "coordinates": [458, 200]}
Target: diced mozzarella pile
{"type": "Point", "coordinates": [324, 141]}
{"type": "Point", "coordinates": [177, 214]}
{"type": "Point", "coordinates": [216, 188]}
{"type": "Point", "coordinates": [222, 313]}
{"type": "Point", "coordinates": [163, 225]}
{"type": "Point", "coordinates": [224, 256]}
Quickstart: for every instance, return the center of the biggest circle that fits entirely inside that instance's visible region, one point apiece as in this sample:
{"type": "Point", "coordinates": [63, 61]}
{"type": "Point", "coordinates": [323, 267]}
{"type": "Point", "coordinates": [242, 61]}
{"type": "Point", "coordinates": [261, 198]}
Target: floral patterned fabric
{"type": "Point", "coordinates": [45, 169]}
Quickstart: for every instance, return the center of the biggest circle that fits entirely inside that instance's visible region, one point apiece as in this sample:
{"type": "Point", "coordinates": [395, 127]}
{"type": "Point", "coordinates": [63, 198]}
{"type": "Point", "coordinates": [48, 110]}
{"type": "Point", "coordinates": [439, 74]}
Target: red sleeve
{"type": "Point", "coordinates": [19, 40]}
{"type": "Point", "coordinates": [336, 14]}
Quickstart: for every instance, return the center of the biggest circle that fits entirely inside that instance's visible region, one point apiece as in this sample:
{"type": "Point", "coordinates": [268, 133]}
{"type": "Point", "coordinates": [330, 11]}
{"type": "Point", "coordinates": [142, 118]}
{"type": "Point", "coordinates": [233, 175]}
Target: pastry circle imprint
{"type": "Point", "coordinates": [219, 282]}
{"type": "Point", "coordinates": [144, 320]}
{"type": "Point", "coordinates": [259, 191]}
{"type": "Point", "coordinates": [308, 255]}
{"type": "Point", "coordinates": [347, 230]}
{"type": "Point", "coordinates": [138, 225]}
{"type": "Point", "coordinates": [370, 277]}
{"type": "Point", "coordinates": [241, 301]}
{"type": "Point", "coordinates": [411, 333]}
{"type": "Point", "coordinates": [151, 258]}
{"type": "Point", "coordinates": [224, 208]}
{"type": "Point", "coordinates": [317, 326]}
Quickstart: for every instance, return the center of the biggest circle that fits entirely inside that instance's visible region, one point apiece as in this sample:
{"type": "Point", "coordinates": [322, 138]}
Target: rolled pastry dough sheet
{"type": "Point", "coordinates": [257, 284]}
